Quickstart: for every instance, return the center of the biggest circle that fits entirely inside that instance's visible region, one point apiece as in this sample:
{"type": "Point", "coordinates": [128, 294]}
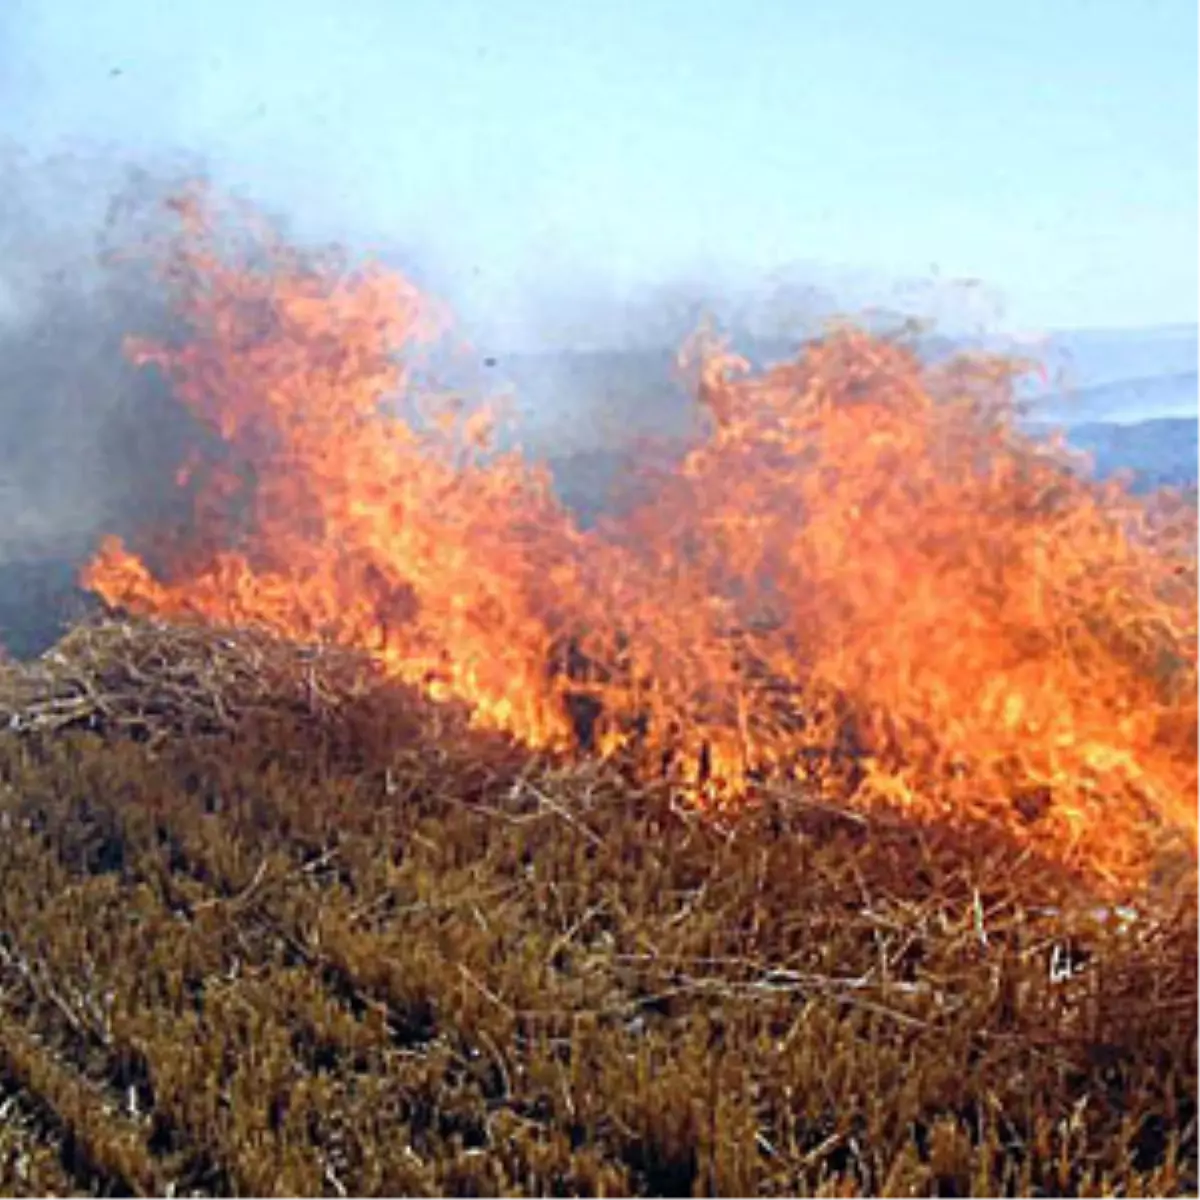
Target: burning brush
{"type": "Point", "coordinates": [863, 578]}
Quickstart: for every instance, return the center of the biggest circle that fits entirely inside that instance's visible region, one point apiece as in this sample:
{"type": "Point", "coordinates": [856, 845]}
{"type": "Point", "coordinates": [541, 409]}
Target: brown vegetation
{"type": "Point", "coordinates": [273, 925]}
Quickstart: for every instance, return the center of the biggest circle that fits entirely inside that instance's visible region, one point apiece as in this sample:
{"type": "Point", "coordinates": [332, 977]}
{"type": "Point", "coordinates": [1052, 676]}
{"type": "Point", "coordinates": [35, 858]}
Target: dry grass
{"type": "Point", "coordinates": [270, 925]}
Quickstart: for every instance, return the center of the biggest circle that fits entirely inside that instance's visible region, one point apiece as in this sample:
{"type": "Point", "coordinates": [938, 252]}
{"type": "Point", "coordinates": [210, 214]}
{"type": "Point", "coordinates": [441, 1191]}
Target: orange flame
{"type": "Point", "coordinates": [864, 575]}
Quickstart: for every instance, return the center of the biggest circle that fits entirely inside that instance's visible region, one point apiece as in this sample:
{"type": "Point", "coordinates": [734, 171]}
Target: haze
{"type": "Point", "coordinates": [525, 153]}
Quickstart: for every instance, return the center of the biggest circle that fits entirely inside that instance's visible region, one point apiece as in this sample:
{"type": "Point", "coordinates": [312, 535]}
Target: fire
{"type": "Point", "coordinates": [863, 575]}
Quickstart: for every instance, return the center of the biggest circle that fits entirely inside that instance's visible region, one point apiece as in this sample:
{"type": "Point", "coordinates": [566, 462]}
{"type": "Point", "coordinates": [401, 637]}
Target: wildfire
{"type": "Point", "coordinates": [863, 577]}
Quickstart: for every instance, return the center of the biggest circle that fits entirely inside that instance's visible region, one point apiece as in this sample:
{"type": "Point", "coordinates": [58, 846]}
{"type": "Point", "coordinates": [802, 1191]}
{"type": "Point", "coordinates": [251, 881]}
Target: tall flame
{"type": "Point", "coordinates": [863, 575]}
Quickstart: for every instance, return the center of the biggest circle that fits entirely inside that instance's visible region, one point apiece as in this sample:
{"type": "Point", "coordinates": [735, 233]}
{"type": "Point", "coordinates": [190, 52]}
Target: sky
{"type": "Point", "coordinates": [1045, 148]}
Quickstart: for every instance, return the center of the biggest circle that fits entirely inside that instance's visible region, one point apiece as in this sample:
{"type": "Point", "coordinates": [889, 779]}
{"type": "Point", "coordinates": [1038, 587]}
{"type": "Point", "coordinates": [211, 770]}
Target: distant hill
{"type": "Point", "coordinates": [1088, 358]}
{"type": "Point", "coordinates": [1161, 452]}
{"type": "Point", "coordinates": [1125, 401]}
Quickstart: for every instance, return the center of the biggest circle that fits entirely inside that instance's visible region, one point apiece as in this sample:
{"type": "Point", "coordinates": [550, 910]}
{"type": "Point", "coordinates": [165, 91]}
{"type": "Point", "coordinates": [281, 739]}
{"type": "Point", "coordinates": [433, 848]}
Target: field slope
{"type": "Point", "coordinates": [272, 926]}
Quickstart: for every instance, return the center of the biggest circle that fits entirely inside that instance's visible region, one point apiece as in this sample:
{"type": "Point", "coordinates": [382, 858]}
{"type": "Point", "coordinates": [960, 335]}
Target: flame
{"type": "Point", "coordinates": [863, 575]}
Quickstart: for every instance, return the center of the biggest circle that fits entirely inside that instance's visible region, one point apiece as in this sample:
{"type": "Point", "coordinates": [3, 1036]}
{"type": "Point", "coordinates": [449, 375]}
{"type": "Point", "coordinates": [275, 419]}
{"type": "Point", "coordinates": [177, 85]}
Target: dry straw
{"type": "Point", "coordinates": [270, 924]}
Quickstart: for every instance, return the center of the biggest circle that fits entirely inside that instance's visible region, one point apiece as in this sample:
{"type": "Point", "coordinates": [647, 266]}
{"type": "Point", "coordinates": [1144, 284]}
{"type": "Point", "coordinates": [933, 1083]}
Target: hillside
{"type": "Point", "coordinates": [270, 927]}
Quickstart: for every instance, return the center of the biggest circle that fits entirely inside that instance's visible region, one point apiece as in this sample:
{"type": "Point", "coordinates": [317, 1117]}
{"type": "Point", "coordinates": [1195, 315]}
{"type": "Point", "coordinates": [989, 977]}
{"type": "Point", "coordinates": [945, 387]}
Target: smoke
{"type": "Point", "coordinates": [88, 443]}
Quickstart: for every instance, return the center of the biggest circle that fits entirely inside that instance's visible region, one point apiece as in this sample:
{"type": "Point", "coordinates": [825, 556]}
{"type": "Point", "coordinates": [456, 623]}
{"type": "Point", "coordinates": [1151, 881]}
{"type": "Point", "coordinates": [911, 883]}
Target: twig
{"type": "Point", "coordinates": [590, 834]}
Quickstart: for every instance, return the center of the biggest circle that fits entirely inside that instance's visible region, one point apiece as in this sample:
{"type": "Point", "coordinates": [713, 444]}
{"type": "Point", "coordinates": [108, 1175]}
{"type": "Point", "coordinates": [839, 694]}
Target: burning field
{"type": "Point", "coordinates": [863, 579]}
{"type": "Point", "coordinates": [822, 818]}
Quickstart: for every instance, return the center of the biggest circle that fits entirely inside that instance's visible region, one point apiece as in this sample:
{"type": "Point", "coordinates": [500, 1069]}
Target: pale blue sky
{"type": "Point", "coordinates": [1046, 147]}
